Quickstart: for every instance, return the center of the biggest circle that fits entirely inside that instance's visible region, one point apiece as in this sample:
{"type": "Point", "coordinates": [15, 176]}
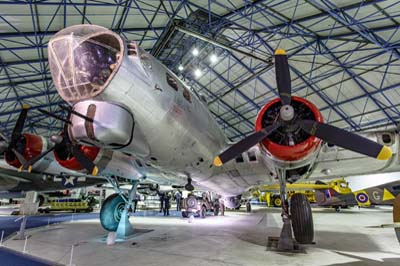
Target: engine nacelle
{"type": "Point", "coordinates": [293, 145]}
{"type": "Point", "coordinates": [113, 128]}
{"type": "Point", "coordinates": [29, 146]}
{"type": "Point", "coordinates": [64, 156]}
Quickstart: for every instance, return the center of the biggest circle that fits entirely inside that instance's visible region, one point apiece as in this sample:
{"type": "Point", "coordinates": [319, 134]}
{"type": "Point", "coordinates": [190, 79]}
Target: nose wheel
{"type": "Point", "coordinates": [297, 220]}
{"type": "Point", "coordinates": [114, 215]}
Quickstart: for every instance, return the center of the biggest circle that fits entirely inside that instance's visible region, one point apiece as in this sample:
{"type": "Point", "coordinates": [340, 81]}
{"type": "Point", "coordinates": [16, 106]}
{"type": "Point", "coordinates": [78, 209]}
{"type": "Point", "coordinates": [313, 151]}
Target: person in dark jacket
{"type": "Point", "coordinates": [162, 196]}
{"type": "Point", "coordinates": [167, 204]}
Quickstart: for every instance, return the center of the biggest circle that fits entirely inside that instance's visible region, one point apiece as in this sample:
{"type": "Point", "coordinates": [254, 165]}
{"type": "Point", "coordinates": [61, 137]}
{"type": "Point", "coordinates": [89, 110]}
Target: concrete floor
{"type": "Point", "coordinates": [346, 238]}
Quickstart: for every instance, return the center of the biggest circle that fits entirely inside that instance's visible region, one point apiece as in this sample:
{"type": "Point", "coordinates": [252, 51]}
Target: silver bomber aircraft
{"type": "Point", "coordinates": [126, 105]}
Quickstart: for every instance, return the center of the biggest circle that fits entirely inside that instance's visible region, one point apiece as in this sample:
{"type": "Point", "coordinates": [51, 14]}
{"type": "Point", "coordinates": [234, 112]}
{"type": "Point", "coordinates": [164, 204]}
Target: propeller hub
{"type": "Point", "coordinates": [57, 139]}
{"type": "Point", "coordinates": [286, 113]}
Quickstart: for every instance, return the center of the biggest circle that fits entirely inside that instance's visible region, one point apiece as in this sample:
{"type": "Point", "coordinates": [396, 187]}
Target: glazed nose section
{"type": "Point", "coordinates": [83, 59]}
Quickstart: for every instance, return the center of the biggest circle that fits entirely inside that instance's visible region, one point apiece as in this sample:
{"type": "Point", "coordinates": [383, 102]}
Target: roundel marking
{"type": "Point", "coordinates": [362, 197]}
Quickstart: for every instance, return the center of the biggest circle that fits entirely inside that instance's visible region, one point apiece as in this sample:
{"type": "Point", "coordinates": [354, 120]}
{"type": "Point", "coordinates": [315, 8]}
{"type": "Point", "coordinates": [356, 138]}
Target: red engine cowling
{"type": "Point", "coordinates": [65, 158]}
{"type": "Point", "coordinates": [33, 146]}
{"type": "Point", "coordinates": [299, 144]}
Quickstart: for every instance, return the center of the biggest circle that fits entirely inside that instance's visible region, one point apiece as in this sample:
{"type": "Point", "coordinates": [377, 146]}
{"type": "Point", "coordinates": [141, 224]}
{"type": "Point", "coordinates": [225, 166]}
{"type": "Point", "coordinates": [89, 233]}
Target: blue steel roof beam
{"type": "Point", "coordinates": [12, 86]}
{"type": "Point", "coordinates": [82, 13]}
{"type": "Point", "coordinates": [223, 103]}
{"type": "Point", "coordinates": [379, 123]}
{"type": "Point", "coordinates": [170, 21]}
{"type": "Point", "coordinates": [16, 29]}
{"type": "Point", "coordinates": [397, 85]}
{"type": "Point", "coordinates": [325, 98]}
{"type": "Point", "coordinates": [40, 52]}
{"type": "Point", "coordinates": [322, 14]}
{"type": "Point", "coordinates": [355, 79]}
{"type": "Point", "coordinates": [353, 24]}
{"type": "Point", "coordinates": [151, 23]}
{"type": "Point", "coordinates": [225, 106]}
{"type": "Point", "coordinates": [23, 97]}
{"type": "Point", "coordinates": [275, 29]}
{"type": "Point", "coordinates": [16, 83]}
{"type": "Point", "coordinates": [320, 77]}
{"type": "Point", "coordinates": [338, 103]}
{"type": "Point", "coordinates": [366, 113]}
{"type": "Point", "coordinates": [222, 20]}
{"type": "Point", "coordinates": [230, 85]}
{"type": "Point", "coordinates": [358, 84]}
{"type": "Point", "coordinates": [35, 117]}
{"type": "Point", "coordinates": [272, 90]}
{"type": "Point", "coordinates": [125, 11]}
{"type": "Point", "coordinates": [17, 111]}
{"type": "Point", "coordinates": [17, 76]}
{"type": "Point", "coordinates": [282, 18]}
{"type": "Point", "coordinates": [341, 36]}
{"type": "Point", "coordinates": [376, 29]}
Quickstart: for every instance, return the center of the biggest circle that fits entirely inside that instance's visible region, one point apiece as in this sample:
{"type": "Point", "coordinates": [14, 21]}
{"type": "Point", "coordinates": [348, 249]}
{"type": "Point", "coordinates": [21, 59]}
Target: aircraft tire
{"type": "Point", "coordinates": [111, 211]}
{"type": "Point", "coordinates": [248, 206]}
{"type": "Point", "coordinates": [276, 201]}
{"type": "Point", "coordinates": [302, 220]}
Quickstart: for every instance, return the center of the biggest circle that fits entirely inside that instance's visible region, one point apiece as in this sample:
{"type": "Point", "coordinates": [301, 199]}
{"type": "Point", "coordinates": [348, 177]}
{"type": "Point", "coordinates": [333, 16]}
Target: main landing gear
{"type": "Point", "coordinates": [298, 217]}
{"type": "Point", "coordinates": [114, 215]}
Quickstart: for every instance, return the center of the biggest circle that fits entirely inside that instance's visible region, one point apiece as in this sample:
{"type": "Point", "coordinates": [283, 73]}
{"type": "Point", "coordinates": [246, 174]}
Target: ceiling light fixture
{"type": "Point", "coordinates": [195, 52]}
{"type": "Point", "coordinates": [213, 58]}
{"type": "Point", "coordinates": [198, 73]}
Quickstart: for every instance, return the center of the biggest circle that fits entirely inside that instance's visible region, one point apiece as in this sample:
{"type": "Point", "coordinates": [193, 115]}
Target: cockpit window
{"type": "Point", "coordinates": [172, 81]}
{"type": "Point", "coordinates": [81, 67]}
{"type": "Point", "coordinates": [186, 95]}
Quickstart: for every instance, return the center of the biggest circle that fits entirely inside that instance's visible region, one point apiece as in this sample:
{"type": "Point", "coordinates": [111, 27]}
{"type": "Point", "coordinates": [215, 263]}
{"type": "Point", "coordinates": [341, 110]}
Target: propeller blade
{"type": "Point", "coordinates": [54, 116]}
{"type": "Point", "coordinates": [19, 126]}
{"type": "Point", "coordinates": [345, 139]}
{"type": "Point", "coordinates": [19, 156]}
{"type": "Point", "coordinates": [244, 144]}
{"type": "Point", "coordinates": [84, 161]}
{"type": "Point", "coordinates": [29, 164]}
{"type": "Point", "coordinates": [70, 110]}
{"type": "Point", "coordinates": [283, 77]}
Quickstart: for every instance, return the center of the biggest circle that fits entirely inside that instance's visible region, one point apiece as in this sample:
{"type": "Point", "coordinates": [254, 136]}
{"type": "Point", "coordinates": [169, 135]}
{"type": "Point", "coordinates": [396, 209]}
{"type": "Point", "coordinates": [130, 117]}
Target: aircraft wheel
{"type": "Point", "coordinates": [248, 206]}
{"type": "Point", "coordinates": [203, 212]}
{"type": "Point", "coordinates": [396, 215]}
{"type": "Point", "coordinates": [111, 212]}
{"type": "Point", "coordinates": [302, 221]}
{"type": "Point", "coordinates": [276, 201]}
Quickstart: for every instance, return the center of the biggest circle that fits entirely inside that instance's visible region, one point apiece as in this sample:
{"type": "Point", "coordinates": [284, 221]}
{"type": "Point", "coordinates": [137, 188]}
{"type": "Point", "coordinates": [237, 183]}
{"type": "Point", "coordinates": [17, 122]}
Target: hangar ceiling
{"type": "Point", "coordinates": [343, 55]}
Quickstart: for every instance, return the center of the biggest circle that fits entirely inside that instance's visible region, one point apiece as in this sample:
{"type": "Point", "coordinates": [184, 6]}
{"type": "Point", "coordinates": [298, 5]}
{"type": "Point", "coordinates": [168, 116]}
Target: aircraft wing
{"type": "Point", "coordinates": [14, 181]}
{"type": "Point", "coordinates": [333, 162]}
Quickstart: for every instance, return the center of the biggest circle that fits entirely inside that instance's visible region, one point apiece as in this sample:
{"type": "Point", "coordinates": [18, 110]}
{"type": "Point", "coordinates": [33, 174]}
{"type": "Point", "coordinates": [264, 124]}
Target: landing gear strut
{"type": "Point", "coordinates": [300, 217]}
{"type": "Point", "coordinates": [114, 211]}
